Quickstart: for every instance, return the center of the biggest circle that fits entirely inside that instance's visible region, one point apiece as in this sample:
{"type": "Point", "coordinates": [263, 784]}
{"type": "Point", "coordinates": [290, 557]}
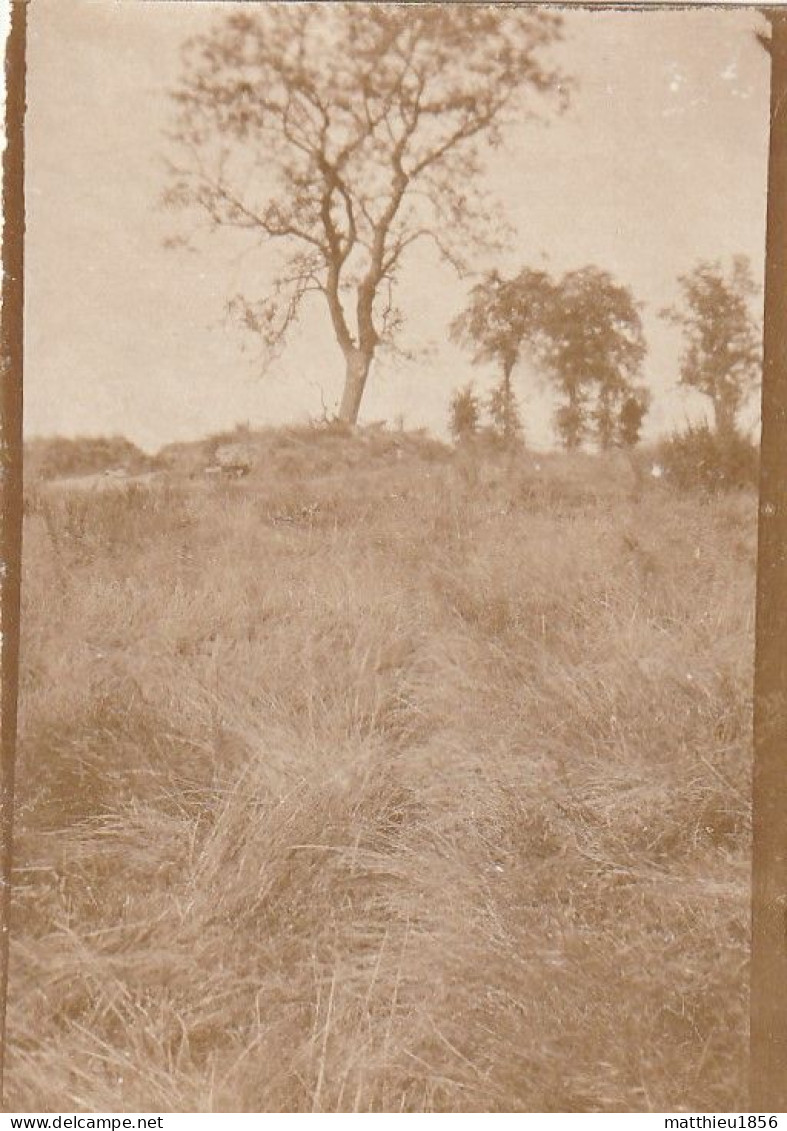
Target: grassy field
{"type": "Point", "coordinates": [385, 779]}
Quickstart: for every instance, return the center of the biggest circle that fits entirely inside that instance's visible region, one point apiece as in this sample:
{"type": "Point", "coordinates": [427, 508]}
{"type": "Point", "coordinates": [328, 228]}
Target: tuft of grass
{"type": "Point", "coordinates": [371, 784]}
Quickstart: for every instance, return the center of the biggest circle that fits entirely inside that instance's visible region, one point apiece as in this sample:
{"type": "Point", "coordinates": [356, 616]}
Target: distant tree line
{"type": "Point", "coordinates": [584, 333]}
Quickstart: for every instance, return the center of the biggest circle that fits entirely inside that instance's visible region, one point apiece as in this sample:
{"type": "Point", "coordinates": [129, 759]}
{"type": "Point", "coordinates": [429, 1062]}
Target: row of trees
{"type": "Point", "coordinates": [339, 137]}
{"type": "Point", "coordinates": [584, 332]}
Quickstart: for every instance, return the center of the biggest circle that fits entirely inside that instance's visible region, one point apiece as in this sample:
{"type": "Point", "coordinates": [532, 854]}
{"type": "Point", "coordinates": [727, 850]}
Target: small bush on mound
{"type": "Point", "coordinates": [464, 414]}
{"type": "Point", "coordinates": [61, 456]}
{"type": "Point", "coordinates": [701, 459]}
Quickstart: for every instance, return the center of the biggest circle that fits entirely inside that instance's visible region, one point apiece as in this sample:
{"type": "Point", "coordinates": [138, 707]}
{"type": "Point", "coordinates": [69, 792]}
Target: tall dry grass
{"type": "Point", "coordinates": [405, 786]}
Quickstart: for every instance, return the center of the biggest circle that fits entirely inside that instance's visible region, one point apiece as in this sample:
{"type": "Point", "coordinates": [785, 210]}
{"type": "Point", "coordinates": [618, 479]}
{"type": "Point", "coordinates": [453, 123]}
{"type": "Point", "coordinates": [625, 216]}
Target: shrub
{"type": "Point", "coordinates": [699, 458]}
{"type": "Point", "coordinates": [504, 413]}
{"type": "Point", "coordinates": [630, 418]}
{"type": "Point", "coordinates": [84, 525]}
{"type": "Point", "coordinates": [571, 425]}
{"type": "Point", "coordinates": [465, 413]}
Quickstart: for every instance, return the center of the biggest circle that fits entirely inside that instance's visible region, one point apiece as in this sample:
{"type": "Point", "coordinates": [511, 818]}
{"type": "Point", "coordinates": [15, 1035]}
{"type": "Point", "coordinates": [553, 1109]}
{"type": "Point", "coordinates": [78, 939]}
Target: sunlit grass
{"type": "Point", "coordinates": [385, 782]}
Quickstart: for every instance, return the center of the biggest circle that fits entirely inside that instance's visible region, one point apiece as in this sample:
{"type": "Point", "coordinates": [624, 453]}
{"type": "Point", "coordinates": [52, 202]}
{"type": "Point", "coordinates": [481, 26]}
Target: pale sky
{"type": "Point", "coordinates": [660, 161]}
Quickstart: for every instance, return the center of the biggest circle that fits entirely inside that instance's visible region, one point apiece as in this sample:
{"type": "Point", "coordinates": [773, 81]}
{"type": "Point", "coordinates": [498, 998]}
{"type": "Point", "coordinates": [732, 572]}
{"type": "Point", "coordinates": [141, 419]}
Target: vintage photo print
{"type": "Point", "coordinates": [392, 380]}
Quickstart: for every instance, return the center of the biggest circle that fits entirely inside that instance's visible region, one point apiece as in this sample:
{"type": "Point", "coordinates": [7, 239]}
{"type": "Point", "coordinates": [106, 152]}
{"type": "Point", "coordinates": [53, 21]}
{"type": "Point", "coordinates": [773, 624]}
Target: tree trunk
{"type": "Point", "coordinates": [769, 819]}
{"type": "Point", "coordinates": [724, 416]}
{"type": "Point", "coordinates": [509, 429]}
{"type": "Point", "coordinates": [358, 365]}
{"type": "Point", "coordinates": [572, 417]}
{"type": "Point", "coordinates": [508, 369]}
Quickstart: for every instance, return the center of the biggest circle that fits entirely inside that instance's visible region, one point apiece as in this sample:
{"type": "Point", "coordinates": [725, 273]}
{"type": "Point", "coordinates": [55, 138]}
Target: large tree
{"type": "Point", "coordinates": [594, 351]}
{"type": "Point", "coordinates": [343, 134]}
{"type": "Point", "coordinates": [722, 336]}
{"type": "Point", "coordinates": [502, 318]}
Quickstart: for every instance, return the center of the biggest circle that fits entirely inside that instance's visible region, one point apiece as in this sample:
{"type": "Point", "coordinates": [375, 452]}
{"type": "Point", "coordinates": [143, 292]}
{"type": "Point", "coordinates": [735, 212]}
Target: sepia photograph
{"type": "Point", "coordinates": [392, 420]}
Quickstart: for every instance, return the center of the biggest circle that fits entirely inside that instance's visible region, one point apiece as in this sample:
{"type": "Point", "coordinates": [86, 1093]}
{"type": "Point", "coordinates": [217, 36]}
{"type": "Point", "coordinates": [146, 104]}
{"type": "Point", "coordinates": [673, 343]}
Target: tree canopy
{"type": "Point", "coordinates": [344, 134]}
{"type": "Point", "coordinates": [505, 316]}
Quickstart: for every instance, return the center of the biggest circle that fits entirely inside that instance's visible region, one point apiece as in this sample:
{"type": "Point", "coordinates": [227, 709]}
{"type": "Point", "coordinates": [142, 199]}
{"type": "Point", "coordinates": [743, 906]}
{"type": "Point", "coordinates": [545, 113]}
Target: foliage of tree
{"type": "Point", "coordinates": [344, 134]}
{"type": "Point", "coordinates": [464, 413]}
{"type": "Point", "coordinates": [504, 315]}
{"type": "Point", "coordinates": [722, 336]}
